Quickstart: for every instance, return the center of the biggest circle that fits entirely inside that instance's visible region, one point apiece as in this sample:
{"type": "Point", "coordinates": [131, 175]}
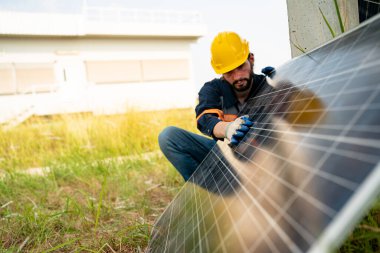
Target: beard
{"type": "Point", "coordinates": [243, 84]}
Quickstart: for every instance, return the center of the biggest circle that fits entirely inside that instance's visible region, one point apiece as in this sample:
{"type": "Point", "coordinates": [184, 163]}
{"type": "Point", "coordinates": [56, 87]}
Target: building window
{"type": "Point", "coordinates": [113, 71]}
{"type": "Point", "coordinates": [34, 77]}
{"type": "Point", "coordinates": [7, 83]}
{"type": "Point", "coordinates": [108, 72]}
{"type": "Point", "coordinates": [161, 70]}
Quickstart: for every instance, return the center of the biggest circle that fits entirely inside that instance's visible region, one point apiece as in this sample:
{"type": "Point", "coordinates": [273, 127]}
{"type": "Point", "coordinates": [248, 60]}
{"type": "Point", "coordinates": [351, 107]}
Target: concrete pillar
{"type": "Point", "coordinates": [307, 28]}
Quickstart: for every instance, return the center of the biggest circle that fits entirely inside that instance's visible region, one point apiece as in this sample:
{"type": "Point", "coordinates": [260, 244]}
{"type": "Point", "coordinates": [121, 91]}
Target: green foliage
{"type": "Point", "coordinates": [366, 236]}
{"type": "Point", "coordinates": [338, 15]}
{"type": "Point", "coordinates": [327, 23]}
{"type": "Point", "coordinates": [298, 47]}
{"type": "Point", "coordinates": [42, 141]}
{"type": "Point", "coordinates": [106, 185]}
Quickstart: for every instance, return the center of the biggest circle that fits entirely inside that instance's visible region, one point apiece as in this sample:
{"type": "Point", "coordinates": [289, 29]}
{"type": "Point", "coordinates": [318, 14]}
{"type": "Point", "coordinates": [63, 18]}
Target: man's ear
{"type": "Point", "coordinates": [251, 59]}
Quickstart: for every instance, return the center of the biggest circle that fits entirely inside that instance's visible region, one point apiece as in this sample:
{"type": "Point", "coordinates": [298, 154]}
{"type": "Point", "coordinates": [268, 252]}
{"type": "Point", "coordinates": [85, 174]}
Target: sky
{"type": "Point", "coordinates": [264, 23]}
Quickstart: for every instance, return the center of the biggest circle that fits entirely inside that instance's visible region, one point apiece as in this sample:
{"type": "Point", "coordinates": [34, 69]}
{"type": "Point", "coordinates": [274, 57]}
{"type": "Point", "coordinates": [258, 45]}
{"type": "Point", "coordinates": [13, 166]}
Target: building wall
{"type": "Point", "coordinates": [307, 28]}
{"type": "Point", "coordinates": [101, 75]}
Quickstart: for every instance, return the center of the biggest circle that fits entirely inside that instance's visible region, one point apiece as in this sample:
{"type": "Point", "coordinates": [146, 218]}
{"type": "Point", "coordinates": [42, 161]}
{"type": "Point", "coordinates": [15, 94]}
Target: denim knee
{"type": "Point", "coordinates": [166, 137]}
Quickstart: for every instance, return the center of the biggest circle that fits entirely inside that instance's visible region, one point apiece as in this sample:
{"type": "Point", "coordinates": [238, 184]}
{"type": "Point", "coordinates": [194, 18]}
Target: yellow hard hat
{"type": "Point", "coordinates": [228, 51]}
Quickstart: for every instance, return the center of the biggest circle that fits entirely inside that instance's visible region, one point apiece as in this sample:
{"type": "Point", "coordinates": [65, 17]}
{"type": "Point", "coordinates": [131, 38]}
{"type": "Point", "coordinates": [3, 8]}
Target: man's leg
{"type": "Point", "coordinates": [185, 150]}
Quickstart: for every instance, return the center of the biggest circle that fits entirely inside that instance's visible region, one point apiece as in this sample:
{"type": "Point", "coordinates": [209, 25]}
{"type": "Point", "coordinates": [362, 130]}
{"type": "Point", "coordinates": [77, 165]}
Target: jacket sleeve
{"type": "Point", "coordinates": [210, 97]}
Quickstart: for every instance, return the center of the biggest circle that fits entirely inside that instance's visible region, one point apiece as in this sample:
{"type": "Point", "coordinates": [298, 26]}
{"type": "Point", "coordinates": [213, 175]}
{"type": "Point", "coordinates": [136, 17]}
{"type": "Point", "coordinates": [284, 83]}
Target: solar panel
{"type": "Point", "coordinates": [304, 174]}
{"type": "Point", "coordinates": [368, 9]}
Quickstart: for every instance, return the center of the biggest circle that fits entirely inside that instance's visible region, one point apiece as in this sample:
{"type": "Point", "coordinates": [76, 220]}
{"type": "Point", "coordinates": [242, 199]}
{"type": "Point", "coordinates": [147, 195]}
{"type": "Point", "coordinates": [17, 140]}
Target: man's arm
{"type": "Point", "coordinates": [210, 118]}
{"type": "Point", "coordinates": [209, 108]}
{"type": "Point", "coordinates": [219, 130]}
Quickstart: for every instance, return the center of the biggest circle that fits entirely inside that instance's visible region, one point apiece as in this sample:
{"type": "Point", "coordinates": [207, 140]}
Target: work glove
{"type": "Point", "coordinates": [269, 71]}
{"type": "Point", "coordinates": [237, 129]}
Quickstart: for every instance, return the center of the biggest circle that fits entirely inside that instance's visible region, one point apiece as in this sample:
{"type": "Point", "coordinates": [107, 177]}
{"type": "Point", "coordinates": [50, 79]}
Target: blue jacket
{"type": "Point", "coordinates": [217, 102]}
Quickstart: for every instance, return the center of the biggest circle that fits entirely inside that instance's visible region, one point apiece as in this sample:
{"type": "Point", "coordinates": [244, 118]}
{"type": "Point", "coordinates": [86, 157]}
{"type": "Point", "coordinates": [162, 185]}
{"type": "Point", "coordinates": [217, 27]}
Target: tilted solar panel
{"type": "Point", "coordinates": [368, 9]}
{"type": "Point", "coordinates": [307, 170]}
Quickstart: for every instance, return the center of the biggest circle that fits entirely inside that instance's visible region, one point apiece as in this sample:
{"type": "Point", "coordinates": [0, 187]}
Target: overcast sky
{"type": "Point", "coordinates": [263, 23]}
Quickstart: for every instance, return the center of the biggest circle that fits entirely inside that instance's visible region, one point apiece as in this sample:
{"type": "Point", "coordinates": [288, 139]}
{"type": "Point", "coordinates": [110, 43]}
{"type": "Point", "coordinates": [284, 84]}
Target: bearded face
{"type": "Point", "coordinates": [241, 77]}
{"type": "Point", "coordinates": [243, 84]}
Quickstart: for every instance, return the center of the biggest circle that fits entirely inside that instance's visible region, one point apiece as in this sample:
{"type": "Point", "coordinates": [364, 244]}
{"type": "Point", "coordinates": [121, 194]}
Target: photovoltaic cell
{"type": "Point", "coordinates": [306, 171]}
{"type": "Point", "coordinates": [368, 8]}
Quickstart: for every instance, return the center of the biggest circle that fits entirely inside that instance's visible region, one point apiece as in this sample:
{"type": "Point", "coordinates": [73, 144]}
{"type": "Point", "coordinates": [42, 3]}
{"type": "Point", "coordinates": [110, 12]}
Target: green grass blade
{"type": "Point", "coordinates": [59, 246]}
{"type": "Point", "coordinates": [100, 203]}
{"type": "Point", "coordinates": [339, 16]}
{"type": "Point", "coordinates": [298, 47]}
{"type": "Point", "coordinates": [327, 23]}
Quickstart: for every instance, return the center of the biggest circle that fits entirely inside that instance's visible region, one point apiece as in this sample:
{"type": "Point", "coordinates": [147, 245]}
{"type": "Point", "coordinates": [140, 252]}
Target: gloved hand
{"type": "Point", "coordinates": [269, 71]}
{"type": "Point", "coordinates": [237, 129]}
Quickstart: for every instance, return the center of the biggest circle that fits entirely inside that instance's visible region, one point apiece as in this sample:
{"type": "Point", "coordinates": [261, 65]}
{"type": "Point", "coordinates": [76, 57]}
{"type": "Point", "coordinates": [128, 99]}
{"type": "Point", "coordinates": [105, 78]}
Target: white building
{"type": "Point", "coordinates": [102, 61]}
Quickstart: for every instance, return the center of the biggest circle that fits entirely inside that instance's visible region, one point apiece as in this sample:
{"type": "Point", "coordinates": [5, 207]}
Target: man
{"type": "Point", "coordinates": [220, 101]}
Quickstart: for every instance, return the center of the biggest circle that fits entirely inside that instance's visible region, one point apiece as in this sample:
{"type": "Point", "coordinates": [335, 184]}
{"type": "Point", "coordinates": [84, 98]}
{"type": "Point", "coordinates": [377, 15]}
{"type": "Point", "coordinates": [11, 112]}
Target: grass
{"type": "Point", "coordinates": [366, 236]}
{"type": "Point", "coordinates": [100, 194]}
{"type": "Point", "coordinates": [339, 17]}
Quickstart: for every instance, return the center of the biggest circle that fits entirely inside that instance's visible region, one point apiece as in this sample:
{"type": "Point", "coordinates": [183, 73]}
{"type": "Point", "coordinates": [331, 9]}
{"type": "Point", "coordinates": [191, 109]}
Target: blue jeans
{"type": "Point", "coordinates": [185, 150]}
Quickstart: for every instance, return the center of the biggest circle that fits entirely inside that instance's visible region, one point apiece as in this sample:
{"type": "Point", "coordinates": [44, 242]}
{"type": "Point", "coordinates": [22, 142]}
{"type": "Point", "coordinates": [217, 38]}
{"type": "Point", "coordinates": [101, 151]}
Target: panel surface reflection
{"type": "Point", "coordinates": [316, 139]}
